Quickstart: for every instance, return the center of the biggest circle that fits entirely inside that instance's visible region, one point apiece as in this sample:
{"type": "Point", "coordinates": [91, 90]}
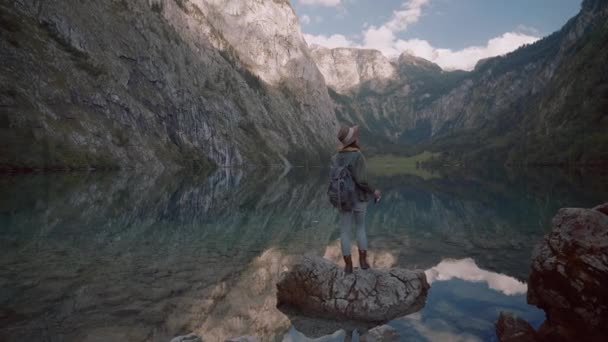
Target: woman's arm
{"type": "Point", "coordinates": [360, 175]}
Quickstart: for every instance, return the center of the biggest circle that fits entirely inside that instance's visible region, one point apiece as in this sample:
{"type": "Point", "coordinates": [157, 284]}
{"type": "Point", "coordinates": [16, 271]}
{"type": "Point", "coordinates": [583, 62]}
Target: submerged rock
{"type": "Point", "coordinates": [294, 335]}
{"type": "Point", "coordinates": [187, 338]}
{"type": "Point", "coordinates": [316, 286]}
{"type": "Point", "coordinates": [510, 328]}
{"type": "Point", "coordinates": [243, 339]}
{"type": "Point", "coordinates": [383, 333]}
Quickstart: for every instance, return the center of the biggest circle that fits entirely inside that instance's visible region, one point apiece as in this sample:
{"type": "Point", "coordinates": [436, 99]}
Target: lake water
{"type": "Point", "coordinates": [139, 257]}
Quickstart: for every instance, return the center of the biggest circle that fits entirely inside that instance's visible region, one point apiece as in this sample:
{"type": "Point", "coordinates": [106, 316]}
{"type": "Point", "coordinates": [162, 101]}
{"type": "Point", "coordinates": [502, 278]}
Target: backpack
{"type": "Point", "coordinates": [341, 190]}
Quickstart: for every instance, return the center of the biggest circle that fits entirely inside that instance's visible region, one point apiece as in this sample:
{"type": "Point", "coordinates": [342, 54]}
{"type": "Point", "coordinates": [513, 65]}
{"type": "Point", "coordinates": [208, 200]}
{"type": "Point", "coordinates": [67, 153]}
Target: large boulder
{"type": "Point", "coordinates": [570, 273]}
{"type": "Point", "coordinates": [568, 280]}
{"type": "Point", "coordinates": [318, 287]}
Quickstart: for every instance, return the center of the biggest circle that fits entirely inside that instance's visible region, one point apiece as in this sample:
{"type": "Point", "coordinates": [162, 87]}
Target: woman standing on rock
{"type": "Point", "coordinates": [350, 158]}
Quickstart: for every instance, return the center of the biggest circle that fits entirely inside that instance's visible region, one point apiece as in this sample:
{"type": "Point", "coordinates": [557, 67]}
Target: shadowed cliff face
{"type": "Point", "coordinates": [157, 84]}
{"type": "Point", "coordinates": [132, 256]}
{"type": "Point", "coordinates": [530, 105]}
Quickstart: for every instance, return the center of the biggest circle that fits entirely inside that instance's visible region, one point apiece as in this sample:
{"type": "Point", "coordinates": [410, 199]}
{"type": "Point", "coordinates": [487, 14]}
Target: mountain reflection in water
{"type": "Point", "coordinates": [123, 256]}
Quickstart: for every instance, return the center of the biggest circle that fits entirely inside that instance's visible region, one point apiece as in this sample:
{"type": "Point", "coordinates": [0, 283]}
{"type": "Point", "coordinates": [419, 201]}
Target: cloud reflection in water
{"type": "Point", "coordinates": [466, 269]}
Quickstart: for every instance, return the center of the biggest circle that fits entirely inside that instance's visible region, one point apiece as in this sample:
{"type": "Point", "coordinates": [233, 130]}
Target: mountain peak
{"type": "Point", "coordinates": [594, 5]}
{"type": "Point", "coordinates": [344, 49]}
{"type": "Point", "coordinates": [407, 58]}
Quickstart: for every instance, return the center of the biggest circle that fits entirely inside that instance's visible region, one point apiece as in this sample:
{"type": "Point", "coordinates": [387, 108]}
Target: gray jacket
{"type": "Point", "coordinates": [358, 167]}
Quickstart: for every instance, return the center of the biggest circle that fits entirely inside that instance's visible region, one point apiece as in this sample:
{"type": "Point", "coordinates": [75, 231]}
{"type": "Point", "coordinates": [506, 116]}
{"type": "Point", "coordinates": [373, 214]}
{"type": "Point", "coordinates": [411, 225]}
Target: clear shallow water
{"type": "Point", "coordinates": [122, 256]}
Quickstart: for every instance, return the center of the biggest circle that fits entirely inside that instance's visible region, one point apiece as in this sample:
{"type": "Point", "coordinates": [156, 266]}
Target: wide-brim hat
{"type": "Point", "coordinates": [348, 135]}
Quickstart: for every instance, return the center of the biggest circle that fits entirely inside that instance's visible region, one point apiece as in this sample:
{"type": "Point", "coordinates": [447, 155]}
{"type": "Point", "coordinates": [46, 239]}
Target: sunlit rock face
{"type": "Point", "coordinates": [266, 36]}
{"type": "Point", "coordinates": [570, 273]}
{"type": "Point", "coordinates": [347, 68]}
{"type": "Point", "coordinates": [318, 287]}
{"type": "Point", "coordinates": [159, 84]}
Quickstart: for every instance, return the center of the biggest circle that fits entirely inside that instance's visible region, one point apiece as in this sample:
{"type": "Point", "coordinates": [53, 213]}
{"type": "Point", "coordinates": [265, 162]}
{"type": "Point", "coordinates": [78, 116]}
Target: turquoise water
{"type": "Point", "coordinates": [140, 257]}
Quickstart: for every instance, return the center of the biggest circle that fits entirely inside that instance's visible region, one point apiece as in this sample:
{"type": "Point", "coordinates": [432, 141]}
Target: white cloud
{"type": "Point", "coordinates": [533, 31]}
{"type": "Point", "coordinates": [409, 14]}
{"type": "Point", "coordinates": [464, 59]}
{"type": "Point", "coordinates": [305, 19]}
{"type": "Point", "coordinates": [384, 39]}
{"type": "Point", "coordinates": [333, 41]}
{"type": "Point", "coordinates": [328, 3]}
{"type": "Point", "coordinates": [380, 38]}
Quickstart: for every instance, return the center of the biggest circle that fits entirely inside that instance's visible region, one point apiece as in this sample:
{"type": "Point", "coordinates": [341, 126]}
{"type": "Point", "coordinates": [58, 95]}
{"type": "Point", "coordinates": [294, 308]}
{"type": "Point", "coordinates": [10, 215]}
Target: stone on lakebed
{"type": "Point", "coordinates": [318, 287]}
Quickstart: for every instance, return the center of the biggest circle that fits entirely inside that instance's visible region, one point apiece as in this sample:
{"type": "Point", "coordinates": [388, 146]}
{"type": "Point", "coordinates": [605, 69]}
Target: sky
{"type": "Point", "coordinates": [452, 33]}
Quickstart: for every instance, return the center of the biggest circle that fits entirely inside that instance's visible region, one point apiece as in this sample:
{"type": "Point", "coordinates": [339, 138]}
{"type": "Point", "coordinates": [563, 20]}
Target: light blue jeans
{"type": "Point", "coordinates": [347, 218]}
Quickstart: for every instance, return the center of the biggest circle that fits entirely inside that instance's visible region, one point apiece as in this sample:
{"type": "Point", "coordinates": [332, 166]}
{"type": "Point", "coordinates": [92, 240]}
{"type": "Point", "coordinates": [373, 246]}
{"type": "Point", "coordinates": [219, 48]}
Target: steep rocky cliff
{"type": "Point", "coordinates": [348, 68]}
{"type": "Point", "coordinates": [159, 83]}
